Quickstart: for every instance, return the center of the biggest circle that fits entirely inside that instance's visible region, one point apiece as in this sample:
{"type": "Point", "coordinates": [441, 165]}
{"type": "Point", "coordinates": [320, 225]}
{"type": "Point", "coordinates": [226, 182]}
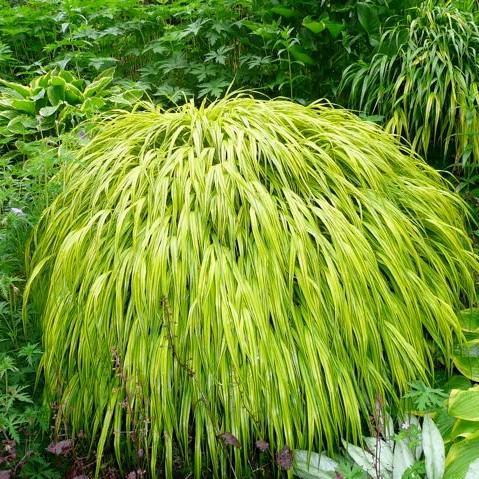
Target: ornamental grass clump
{"type": "Point", "coordinates": [424, 81]}
{"type": "Point", "coordinates": [244, 270]}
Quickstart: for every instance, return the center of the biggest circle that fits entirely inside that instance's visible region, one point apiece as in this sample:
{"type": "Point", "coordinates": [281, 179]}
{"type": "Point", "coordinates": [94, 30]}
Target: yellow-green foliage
{"type": "Point", "coordinates": [253, 267]}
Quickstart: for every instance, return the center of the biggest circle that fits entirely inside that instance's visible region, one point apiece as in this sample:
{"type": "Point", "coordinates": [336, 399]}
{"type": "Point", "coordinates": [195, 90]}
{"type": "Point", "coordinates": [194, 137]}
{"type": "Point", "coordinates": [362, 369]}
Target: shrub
{"type": "Point", "coordinates": [248, 269]}
{"type": "Point", "coordinates": [424, 81]}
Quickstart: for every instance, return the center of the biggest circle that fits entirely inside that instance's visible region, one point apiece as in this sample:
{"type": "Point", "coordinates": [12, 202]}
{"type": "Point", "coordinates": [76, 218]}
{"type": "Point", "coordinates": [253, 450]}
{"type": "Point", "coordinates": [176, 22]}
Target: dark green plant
{"type": "Point", "coordinates": [423, 80]}
{"type": "Point", "coordinates": [178, 49]}
{"type": "Point", "coordinates": [24, 419]}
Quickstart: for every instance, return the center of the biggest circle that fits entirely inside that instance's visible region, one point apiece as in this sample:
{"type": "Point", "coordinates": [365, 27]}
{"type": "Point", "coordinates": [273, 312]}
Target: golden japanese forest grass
{"type": "Point", "coordinates": [254, 267]}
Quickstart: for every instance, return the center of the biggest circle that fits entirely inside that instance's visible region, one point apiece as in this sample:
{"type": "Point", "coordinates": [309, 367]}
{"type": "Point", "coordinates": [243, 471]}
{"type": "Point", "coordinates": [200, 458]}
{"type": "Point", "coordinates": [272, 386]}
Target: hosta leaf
{"type": "Point", "coordinates": [22, 125]}
{"type": "Point", "coordinates": [466, 429]}
{"type": "Point", "coordinates": [383, 451]}
{"type": "Point", "coordinates": [458, 381]}
{"type": "Point", "coordinates": [56, 94]}
{"type": "Point", "coordinates": [24, 91]}
{"type": "Point", "coordinates": [473, 470]}
{"type": "Point", "coordinates": [47, 111]}
{"type": "Point", "coordinates": [464, 404]}
{"type": "Point", "coordinates": [58, 81]}
{"type": "Point", "coordinates": [461, 455]}
{"type": "Point", "coordinates": [39, 94]}
{"type": "Point", "coordinates": [27, 106]}
{"type": "Point", "coordinates": [72, 94]}
{"type": "Point", "coordinates": [402, 460]}
{"type": "Point", "coordinates": [434, 451]}
{"type": "Point", "coordinates": [313, 465]}
{"type": "Point", "coordinates": [364, 459]}
{"type": "Point", "coordinates": [466, 359]}
{"type": "Point", "coordinates": [98, 85]}
{"type": "Point", "coordinates": [469, 319]}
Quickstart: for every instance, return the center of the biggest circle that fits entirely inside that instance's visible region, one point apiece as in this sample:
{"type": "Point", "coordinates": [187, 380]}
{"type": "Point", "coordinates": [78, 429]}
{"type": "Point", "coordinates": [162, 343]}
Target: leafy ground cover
{"type": "Point", "coordinates": [64, 63]}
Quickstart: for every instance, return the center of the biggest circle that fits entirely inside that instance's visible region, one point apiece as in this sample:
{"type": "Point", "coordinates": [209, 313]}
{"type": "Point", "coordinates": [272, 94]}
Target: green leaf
{"type": "Point", "coordinates": [40, 93]}
{"type": "Point", "coordinates": [469, 319]}
{"type": "Point", "coordinates": [313, 465]}
{"type": "Point", "coordinates": [92, 105]}
{"type": "Point", "coordinates": [24, 91]}
{"type": "Point", "coordinates": [458, 382]}
{"type": "Point", "coordinates": [98, 85]}
{"type": "Point", "coordinates": [57, 81]}
{"type": "Point", "coordinates": [466, 359]}
{"type": "Point", "coordinates": [27, 106]}
{"type": "Point", "coordinates": [47, 111]}
{"type": "Point", "coordinates": [315, 26]}
{"type": "Point", "coordinates": [56, 94]}
{"type": "Point", "coordinates": [284, 11]}
{"type": "Point", "coordinates": [22, 125]}
{"type": "Point", "coordinates": [465, 404]}
{"type": "Point", "coordinates": [300, 54]}
{"type": "Point", "coordinates": [461, 455]}
{"type": "Point", "coordinates": [403, 459]}
{"type": "Point", "coordinates": [465, 429]}
{"type": "Point", "coordinates": [73, 95]}
{"type": "Point", "coordinates": [473, 470]}
{"type": "Point", "coordinates": [434, 451]}
{"type": "Point", "coordinates": [368, 17]}
{"type": "Point", "coordinates": [318, 26]}
{"type": "Point", "coordinates": [335, 28]}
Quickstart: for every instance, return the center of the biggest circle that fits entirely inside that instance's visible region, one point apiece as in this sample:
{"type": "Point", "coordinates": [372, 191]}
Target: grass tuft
{"type": "Point", "coordinates": [244, 270]}
{"type": "Point", "coordinates": [424, 81]}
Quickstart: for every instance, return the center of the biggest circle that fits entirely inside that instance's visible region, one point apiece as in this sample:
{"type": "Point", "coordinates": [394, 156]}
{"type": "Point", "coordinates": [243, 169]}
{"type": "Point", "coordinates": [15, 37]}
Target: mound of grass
{"type": "Point", "coordinates": [257, 268]}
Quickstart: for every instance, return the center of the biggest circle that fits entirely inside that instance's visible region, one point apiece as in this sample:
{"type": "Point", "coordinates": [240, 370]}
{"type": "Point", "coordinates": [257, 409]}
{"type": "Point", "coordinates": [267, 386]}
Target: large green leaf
{"type": "Point", "coordinates": [313, 465]}
{"type": "Point", "coordinates": [24, 91]}
{"type": "Point", "coordinates": [464, 404]}
{"type": "Point", "coordinates": [301, 55]}
{"type": "Point", "coordinates": [22, 125]}
{"type": "Point", "coordinates": [466, 358]}
{"type": "Point", "coordinates": [465, 429]}
{"type": "Point", "coordinates": [27, 106]}
{"type": "Point", "coordinates": [469, 319]}
{"type": "Point", "coordinates": [47, 111]}
{"type": "Point", "coordinates": [460, 457]}
{"type": "Point", "coordinates": [368, 17]}
{"type": "Point", "coordinates": [99, 84]}
{"type": "Point", "coordinates": [403, 459]}
{"type": "Point", "coordinates": [434, 451]}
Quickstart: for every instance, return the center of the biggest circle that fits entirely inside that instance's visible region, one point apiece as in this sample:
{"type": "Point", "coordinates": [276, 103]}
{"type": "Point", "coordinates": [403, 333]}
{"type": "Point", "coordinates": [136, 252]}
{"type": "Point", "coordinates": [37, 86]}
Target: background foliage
{"type": "Point", "coordinates": [423, 80]}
